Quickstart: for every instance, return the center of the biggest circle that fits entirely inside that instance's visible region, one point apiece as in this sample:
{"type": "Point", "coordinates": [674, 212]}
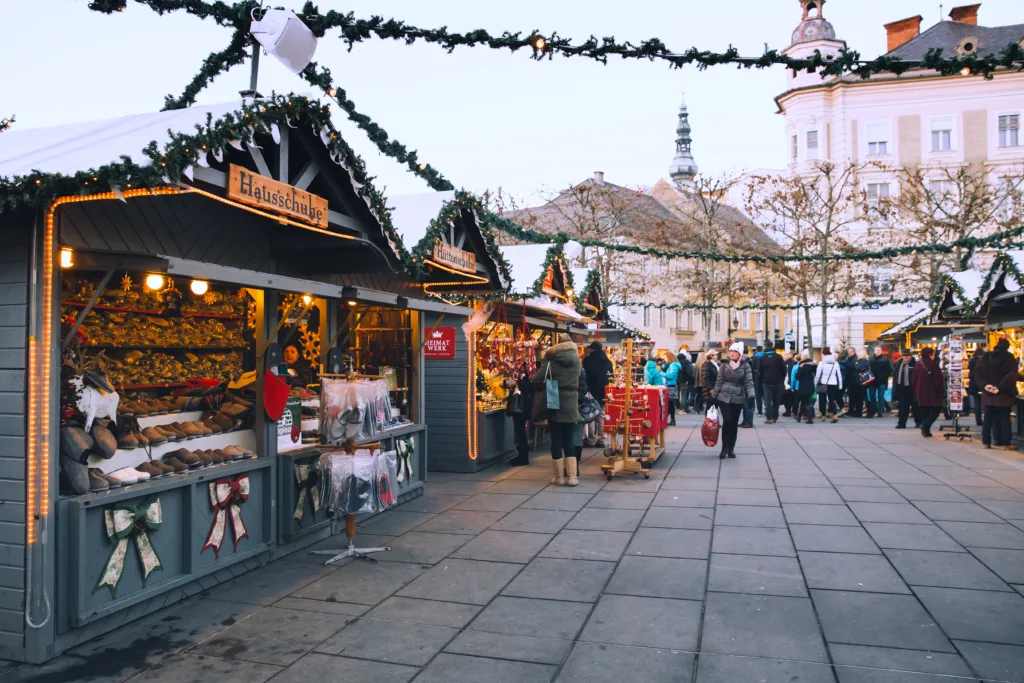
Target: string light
{"type": "Point", "coordinates": [471, 396]}
{"type": "Point", "coordinates": [66, 257]}
{"type": "Point", "coordinates": [154, 282]}
{"type": "Point", "coordinates": [539, 43]}
{"type": "Point", "coordinates": [352, 302]}
{"type": "Point", "coordinates": [966, 71]}
{"type": "Point", "coordinates": [199, 287]}
{"type": "Point", "coordinates": [307, 299]}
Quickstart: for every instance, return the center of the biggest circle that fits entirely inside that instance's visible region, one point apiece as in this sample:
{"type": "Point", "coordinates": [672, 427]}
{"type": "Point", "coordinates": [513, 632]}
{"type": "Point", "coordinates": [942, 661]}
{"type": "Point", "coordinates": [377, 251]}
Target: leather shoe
{"type": "Point", "coordinates": [176, 465]}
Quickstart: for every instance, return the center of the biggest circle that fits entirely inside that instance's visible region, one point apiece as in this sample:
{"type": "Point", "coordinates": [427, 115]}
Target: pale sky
{"type": "Point", "coordinates": [485, 118]}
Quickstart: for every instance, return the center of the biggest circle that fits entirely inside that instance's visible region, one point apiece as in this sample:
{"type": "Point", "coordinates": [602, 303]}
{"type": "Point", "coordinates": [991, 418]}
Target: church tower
{"type": "Point", "coordinates": [814, 33]}
{"type": "Point", "coordinates": [683, 169]}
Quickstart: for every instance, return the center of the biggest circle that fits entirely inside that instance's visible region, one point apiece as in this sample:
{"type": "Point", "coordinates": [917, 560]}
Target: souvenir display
{"type": "Point", "coordinates": [353, 409]}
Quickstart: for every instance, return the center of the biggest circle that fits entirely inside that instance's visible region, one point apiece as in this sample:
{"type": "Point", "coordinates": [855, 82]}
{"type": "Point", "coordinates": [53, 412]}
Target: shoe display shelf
{"type": "Point", "coordinates": [130, 457]}
{"type": "Point", "coordinates": [187, 517]}
{"type": "Point", "coordinates": [321, 524]}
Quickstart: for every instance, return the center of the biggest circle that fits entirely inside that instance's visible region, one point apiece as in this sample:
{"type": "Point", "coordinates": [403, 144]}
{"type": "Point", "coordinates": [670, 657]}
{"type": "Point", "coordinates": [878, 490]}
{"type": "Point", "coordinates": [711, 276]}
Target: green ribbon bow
{"type": "Point", "coordinates": [406, 448]}
{"type": "Point", "coordinates": [124, 522]}
{"type": "Point", "coordinates": [307, 476]}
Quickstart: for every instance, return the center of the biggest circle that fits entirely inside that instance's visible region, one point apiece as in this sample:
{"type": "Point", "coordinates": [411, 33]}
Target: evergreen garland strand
{"type": "Point", "coordinates": [214, 65]}
{"type": "Point", "coordinates": [5, 124]}
{"type": "Point", "coordinates": [778, 307]}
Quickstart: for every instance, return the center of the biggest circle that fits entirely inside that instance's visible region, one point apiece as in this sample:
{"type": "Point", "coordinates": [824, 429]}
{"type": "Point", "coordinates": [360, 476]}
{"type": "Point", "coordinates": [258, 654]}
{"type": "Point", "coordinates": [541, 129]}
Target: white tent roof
{"type": "Point", "coordinates": [1009, 281]}
{"type": "Point", "coordinates": [970, 282]}
{"type": "Point", "coordinates": [526, 264]}
{"type": "Point", "coordinates": [918, 318]}
{"type": "Point", "coordinates": [411, 213]}
{"type": "Point", "coordinates": [76, 147]}
{"type": "Point", "coordinates": [561, 310]}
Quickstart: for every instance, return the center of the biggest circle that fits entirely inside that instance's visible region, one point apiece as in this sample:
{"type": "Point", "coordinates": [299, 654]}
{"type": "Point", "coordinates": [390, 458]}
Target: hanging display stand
{"type": "Point", "coordinates": [631, 451]}
{"type": "Point", "coordinates": [954, 390]}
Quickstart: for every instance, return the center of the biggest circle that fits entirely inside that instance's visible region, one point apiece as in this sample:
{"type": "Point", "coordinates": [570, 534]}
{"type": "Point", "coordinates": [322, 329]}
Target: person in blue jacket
{"type": "Point", "coordinates": [653, 375]}
{"type": "Point", "coordinates": [672, 380]}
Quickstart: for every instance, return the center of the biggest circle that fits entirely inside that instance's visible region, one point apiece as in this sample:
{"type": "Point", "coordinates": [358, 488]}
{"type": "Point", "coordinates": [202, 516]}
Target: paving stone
{"type": "Point", "coordinates": [856, 480]}
{"type": "Point", "coordinates": [749, 515]}
{"type": "Point", "coordinates": [919, 661]}
{"type": "Point", "coordinates": [190, 667]}
{"type": "Point", "coordinates": [976, 615]}
{"type": "Point", "coordinates": [422, 547]}
{"type": "Point", "coordinates": [588, 485]}
{"type": "Point", "coordinates": [765, 484]}
{"type": "Point", "coordinates": [518, 648]}
{"type": "Point", "coordinates": [747, 497]}
{"type": "Point", "coordinates": [802, 480]}
{"type": "Point", "coordinates": [912, 537]}
{"type": "Point", "coordinates": [530, 617]}
{"type": "Point", "coordinates": [980, 493]}
{"type": "Point", "coordinates": [833, 539]}
{"type": "Point", "coordinates": [845, 571]}
{"type": "Point", "coordinates": [431, 612]}
{"type": "Point", "coordinates": [656, 542]}
{"type": "Point", "coordinates": [870, 494]}
{"type": "Point", "coordinates": [828, 515]}
{"type": "Point", "coordinates": [879, 620]}
{"type": "Point", "coordinates": [273, 636]}
{"type": "Point", "coordinates": [534, 521]}
{"type": "Point", "coordinates": [463, 488]}
{"type": "Point", "coordinates": [992, 661]}
{"type": "Point", "coordinates": [361, 583]}
{"type": "Point", "coordinates": [660, 577]}
{"type": "Point", "coordinates": [675, 483]}
{"type": "Point", "coordinates": [849, 674]}
{"type": "Point", "coordinates": [575, 544]}
{"type": "Point", "coordinates": [493, 502]}
{"type": "Point", "coordinates": [461, 522]}
{"type": "Point", "coordinates": [943, 494]}
{"type": "Point", "coordinates": [525, 486]}
{"type": "Point", "coordinates": [388, 641]}
{"type": "Point", "coordinates": [762, 626]}
{"type": "Point", "coordinates": [621, 500]}
{"type": "Point", "coordinates": [469, 581]}
{"type": "Point", "coordinates": [956, 512]}
{"type": "Point", "coordinates": [632, 484]}
{"type": "Point", "coordinates": [679, 518]}
{"type": "Point", "coordinates": [270, 583]}
{"type": "Point", "coordinates": [756, 575]}
{"type": "Point", "coordinates": [728, 669]}
{"type": "Point", "coordinates": [685, 499]}
{"type": "Point", "coordinates": [594, 663]}
{"type": "Point", "coordinates": [450, 668]}
{"type": "Point", "coordinates": [944, 570]}
{"type": "Point", "coordinates": [322, 606]}
{"type": "Point", "coordinates": [646, 622]}
{"type": "Point", "coordinates": [893, 513]}
{"type": "Point", "coordinates": [431, 502]}
{"type": "Point", "coordinates": [1007, 564]}
{"type": "Point", "coordinates": [336, 543]}
{"type": "Point", "coordinates": [558, 501]}
{"type": "Point", "coordinates": [753, 541]}
{"type": "Point", "coordinates": [819, 496]}
{"type": "Point", "coordinates": [394, 522]}
{"type": "Point", "coordinates": [975, 535]}
{"type": "Point", "coordinates": [604, 519]}
{"type": "Point", "coordinates": [574, 580]}
{"type": "Point", "coordinates": [1006, 509]}
{"type": "Point", "coordinates": [504, 546]}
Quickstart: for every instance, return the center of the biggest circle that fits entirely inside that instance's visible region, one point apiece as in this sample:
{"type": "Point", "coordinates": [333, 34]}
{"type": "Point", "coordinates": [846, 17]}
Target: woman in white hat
{"type": "Point", "coordinates": [734, 387]}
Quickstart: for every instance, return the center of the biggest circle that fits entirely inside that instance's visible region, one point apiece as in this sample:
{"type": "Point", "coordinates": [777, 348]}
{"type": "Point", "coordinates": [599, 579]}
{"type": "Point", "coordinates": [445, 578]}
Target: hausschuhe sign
{"type": "Point", "coordinates": [268, 194]}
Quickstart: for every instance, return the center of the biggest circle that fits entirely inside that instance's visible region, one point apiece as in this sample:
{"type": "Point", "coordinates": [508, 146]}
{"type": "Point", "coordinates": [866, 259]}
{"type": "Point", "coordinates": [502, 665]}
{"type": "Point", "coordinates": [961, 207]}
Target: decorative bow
{"type": "Point", "coordinates": [227, 495]}
{"type": "Point", "coordinates": [308, 478]}
{"type": "Point", "coordinates": [406, 447]}
{"type": "Point", "coordinates": [122, 523]}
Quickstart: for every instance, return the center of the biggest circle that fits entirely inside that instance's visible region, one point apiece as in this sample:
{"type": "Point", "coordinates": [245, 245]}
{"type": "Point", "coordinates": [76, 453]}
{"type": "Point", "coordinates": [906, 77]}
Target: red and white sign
{"type": "Point", "coordinates": [440, 344]}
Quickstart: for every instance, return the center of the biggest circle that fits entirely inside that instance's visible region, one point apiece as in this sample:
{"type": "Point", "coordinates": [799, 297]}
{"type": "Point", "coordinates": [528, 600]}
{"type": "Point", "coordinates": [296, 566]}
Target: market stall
{"type": "Point", "coordinates": [182, 318]}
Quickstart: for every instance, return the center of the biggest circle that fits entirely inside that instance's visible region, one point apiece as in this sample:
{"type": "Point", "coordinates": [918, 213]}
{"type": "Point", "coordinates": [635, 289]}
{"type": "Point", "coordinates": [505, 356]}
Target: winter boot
{"type": "Point", "coordinates": [571, 469]}
{"type": "Point", "coordinates": [559, 468]}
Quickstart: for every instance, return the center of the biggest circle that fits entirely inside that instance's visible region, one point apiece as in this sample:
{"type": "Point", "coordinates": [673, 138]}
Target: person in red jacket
{"type": "Point", "coordinates": [930, 390]}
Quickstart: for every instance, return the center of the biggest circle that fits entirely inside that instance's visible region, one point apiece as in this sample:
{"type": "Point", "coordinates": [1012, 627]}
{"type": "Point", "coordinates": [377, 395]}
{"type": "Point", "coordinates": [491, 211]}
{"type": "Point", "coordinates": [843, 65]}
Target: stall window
{"type": "Point", "coordinates": [377, 342]}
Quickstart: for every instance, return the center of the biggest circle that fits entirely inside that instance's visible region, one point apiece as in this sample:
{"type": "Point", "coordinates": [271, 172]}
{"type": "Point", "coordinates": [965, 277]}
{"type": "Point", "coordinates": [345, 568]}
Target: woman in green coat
{"type": "Point", "coordinates": [561, 363]}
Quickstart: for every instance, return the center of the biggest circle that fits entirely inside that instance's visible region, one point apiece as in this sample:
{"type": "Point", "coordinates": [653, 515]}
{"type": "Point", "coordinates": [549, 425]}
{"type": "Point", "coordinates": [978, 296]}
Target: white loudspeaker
{"type": "Point", "coordinates": [284, 35]}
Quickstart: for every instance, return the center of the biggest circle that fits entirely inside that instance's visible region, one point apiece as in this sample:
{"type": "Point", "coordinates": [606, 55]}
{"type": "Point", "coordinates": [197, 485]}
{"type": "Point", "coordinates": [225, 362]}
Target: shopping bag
{"type": "Point", "coordinates": [551, 389]}
{"type": "Point", "coordinates": [711, 427]}
{"type": "Point", "coordinates": [590, 409]}
{"type": "Point", "coordinates": [867, 378]}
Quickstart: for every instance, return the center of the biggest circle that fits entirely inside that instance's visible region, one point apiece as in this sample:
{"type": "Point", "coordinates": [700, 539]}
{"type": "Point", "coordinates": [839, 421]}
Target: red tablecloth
{"type": "Point", "coordinates": [656, 411]}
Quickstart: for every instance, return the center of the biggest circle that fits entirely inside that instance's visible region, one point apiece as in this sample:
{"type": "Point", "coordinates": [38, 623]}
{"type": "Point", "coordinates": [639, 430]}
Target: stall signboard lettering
{"type": "Point", "coordinates": [956, 372]}
{"type": "Point", "coordinates": [453, 257]}
{"type": "Point", "coordinates": [269, 194]}
{"type": "Point", "coordinates": [440, 344]}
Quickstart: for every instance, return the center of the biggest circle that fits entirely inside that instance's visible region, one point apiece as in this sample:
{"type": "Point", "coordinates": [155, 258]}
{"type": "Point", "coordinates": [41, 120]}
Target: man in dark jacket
{"type": "Point", "coordinates": [755, 365]}
{"type": "Point", "coordinates": [772, 370]}
{"type": "Point", "coordinates": [903, 389]}
{"type": "Point", "coordinates": [857, 390]}
{"type": "Point", "coordinates": [685, 379]}
{"type": "Point", "coordinates": [973, 388]}
{"type": "Point", "coordinates": [881, 368]}
{"type": "Point", "coordinates": [997, 375]}
{"type": "Point", "coordinates": [598, 368]}
{"type": "Point", "coordinates": [929, 389]}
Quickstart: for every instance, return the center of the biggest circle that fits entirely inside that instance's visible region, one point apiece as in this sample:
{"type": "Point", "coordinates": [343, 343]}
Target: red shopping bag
{"type": "Point", "coordinates": [711, 427]}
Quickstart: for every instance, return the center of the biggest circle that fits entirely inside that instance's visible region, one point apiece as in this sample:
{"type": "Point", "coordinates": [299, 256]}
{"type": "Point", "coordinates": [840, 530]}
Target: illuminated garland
{"type": "Point", "coordinates": [1002, 264]}
{"type": "Point", "coordinates": [6, 123]}
{"type": "Point", "coordinates": [214, 65]}
{"type": "Point", "coordinates": [628, 330]}
{"type": "Point", "coordinates": [439, 226]}
{"type": "Point", "coordinates": [778, 307]}
{"type": "Point", "coordinates": [593, 283]}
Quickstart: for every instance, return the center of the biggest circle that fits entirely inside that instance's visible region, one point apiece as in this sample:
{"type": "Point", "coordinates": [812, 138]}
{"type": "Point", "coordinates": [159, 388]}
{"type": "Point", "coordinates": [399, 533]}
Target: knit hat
{"type": "Point", "coordinates": [596, 346]}
{"type": "Point", "coordinates": [737, 347]}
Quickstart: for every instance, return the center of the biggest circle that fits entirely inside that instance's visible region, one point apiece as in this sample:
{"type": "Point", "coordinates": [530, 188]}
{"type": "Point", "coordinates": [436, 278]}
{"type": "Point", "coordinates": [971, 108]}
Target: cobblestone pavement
{"type": "Point", "coordinates": [839, 553]}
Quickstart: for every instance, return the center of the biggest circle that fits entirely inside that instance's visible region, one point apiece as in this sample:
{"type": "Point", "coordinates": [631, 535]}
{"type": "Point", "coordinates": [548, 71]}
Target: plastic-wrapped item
{"type": "Point", "coordinates": [359, 409]}
{"type": "Point", "coordinates": [386, 478]}
{"type": "Point", "coordinates": [351, 482]}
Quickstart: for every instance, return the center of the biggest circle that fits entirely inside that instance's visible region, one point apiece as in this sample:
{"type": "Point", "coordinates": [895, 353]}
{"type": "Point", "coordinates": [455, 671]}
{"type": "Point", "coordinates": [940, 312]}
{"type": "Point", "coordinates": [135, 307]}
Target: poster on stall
{"type": "Point", "coordinates": [955, 372]}
{"type": "Point", "coordinates": [289, 427]}
{"type": "Point", "coordinates": [440, 344]}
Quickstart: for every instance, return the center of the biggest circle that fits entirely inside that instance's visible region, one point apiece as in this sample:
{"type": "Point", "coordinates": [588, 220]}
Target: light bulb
{"type": "Point", "coordinates": [966, 71]}
{"type": "Point", "coordinates": [306, 299]}
{"type": "Point", "coordinates": [155, 282]}
{"type": "Point", "coordinates": [539, 43]}
{"type": "Point", "coordinates": [351, 302]}
{"type": "Point", "coordinates": [199, 287]}
{"type": "Point", "coordinates": [66, 257]}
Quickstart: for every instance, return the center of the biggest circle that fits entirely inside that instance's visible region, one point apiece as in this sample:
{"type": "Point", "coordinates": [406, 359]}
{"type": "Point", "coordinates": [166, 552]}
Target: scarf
{"type": "Point", "coordinates": [904, 380]}
{"type": "Point", "coordinates": [734, 364]}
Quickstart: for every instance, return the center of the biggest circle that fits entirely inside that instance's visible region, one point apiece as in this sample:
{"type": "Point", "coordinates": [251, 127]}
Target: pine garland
{"type": "Point", "coordinates": [778, 307]}
{"type": "Point", "coordinates": [5, 124]}
{"type": "Point", "coordinates": [214, 65]}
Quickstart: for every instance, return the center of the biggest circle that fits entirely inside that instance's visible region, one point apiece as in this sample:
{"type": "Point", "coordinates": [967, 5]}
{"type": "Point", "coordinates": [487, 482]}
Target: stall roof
{"type": "Point", "coordinates": [919, 318]}
{"type": "Point", "coordinates": [526, 265]}
{"type": "Point", "coordinates": [970, 282]}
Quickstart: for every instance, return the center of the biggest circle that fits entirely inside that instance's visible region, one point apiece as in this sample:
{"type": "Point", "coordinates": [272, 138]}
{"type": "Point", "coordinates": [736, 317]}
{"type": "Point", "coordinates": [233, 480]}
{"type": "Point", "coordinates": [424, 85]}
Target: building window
{"type": "Point", "coordinates": [877, 191]}
{"type": "Point", "coordinates": [1009, 130]}
{"type": "Point", "coordinates": [775, 322]}
{"type": "Point", "coordinates": [942, 135]}
{"type": "Point", "coordinates": [794, 151]}
{"type": "Point", "coordinates": [881, 281]}
{"type": "Point", "coordinates": [647, 316]}
{"type": "Point", "coordinates": [878, 139]}
{"type": "Point", "coordinates": [679, 319]}
{"type": "Point", "coordinates": [746, 320]}
{"type": "Point", "coordinates": [787, 323]}
{"type": "Point", "coordinates": [661, 318]}
{"type": "Point", "coordinates": [689, 320]}
{"type": "Point", "coordinates": [759, 323]}
{"type": "Point", "coordinates": [812, 145]}
{"type": "Point", "coordinates": [718, 322]}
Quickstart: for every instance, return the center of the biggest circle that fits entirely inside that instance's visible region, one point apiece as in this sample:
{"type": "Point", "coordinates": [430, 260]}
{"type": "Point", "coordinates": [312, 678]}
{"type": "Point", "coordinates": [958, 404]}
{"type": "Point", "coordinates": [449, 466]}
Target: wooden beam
{"type": "Point", "coordinates": [282, 155]}
{"type": "Point", "coordinates": [307, 174]}
{"type": "Point", "coordinates": [344, 221]}
{"type": "Point", "coordinates": [257, 157]}
{"type": "Point", "coordinates": [211, 176]}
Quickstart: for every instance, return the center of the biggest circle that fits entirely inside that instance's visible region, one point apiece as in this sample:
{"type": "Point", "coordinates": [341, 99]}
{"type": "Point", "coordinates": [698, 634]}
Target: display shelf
{"type": "Point", "coordinates": [158, 313]}
{"type": "Point", "coordinates": [164, 347]}
{"type": "Point", "coordinates": [144, 387]}
{"type": "Point", "coordinates": [130, 457]}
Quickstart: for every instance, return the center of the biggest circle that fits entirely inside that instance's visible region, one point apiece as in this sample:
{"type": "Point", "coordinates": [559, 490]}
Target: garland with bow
{"type": "Point", "coordinates": [307, 476]}
{"type": "Point", "coordinates": [227, 497]}
{"type": "Point", "coordinates": [122, 523]}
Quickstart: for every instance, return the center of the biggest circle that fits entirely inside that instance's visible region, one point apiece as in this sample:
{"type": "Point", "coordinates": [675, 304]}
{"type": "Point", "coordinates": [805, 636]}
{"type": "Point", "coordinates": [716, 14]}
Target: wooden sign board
{"type": "Point", "coordinates": [455, 258]}
{"type": "Point", "coordinates": [271, 195]}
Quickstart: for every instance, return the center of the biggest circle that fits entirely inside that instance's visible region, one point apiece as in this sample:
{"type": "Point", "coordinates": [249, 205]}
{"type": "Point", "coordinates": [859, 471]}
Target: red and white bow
{"type": "Point", "coordinates": [227, 495]}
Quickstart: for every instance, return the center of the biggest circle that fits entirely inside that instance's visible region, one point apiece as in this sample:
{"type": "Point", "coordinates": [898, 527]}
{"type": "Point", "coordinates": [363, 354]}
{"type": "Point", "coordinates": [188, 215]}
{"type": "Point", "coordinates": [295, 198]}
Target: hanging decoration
{"type": "Point", "coordinates": [126, 283]}
{"type": "Point", "coordinates": [123, 523]}
{"type": "Point", "coordinates": [307, 476]}
{"type": "Point", "coordinates": [406, 447]}
{"type": "Point", "coordinates": [227, 497]}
